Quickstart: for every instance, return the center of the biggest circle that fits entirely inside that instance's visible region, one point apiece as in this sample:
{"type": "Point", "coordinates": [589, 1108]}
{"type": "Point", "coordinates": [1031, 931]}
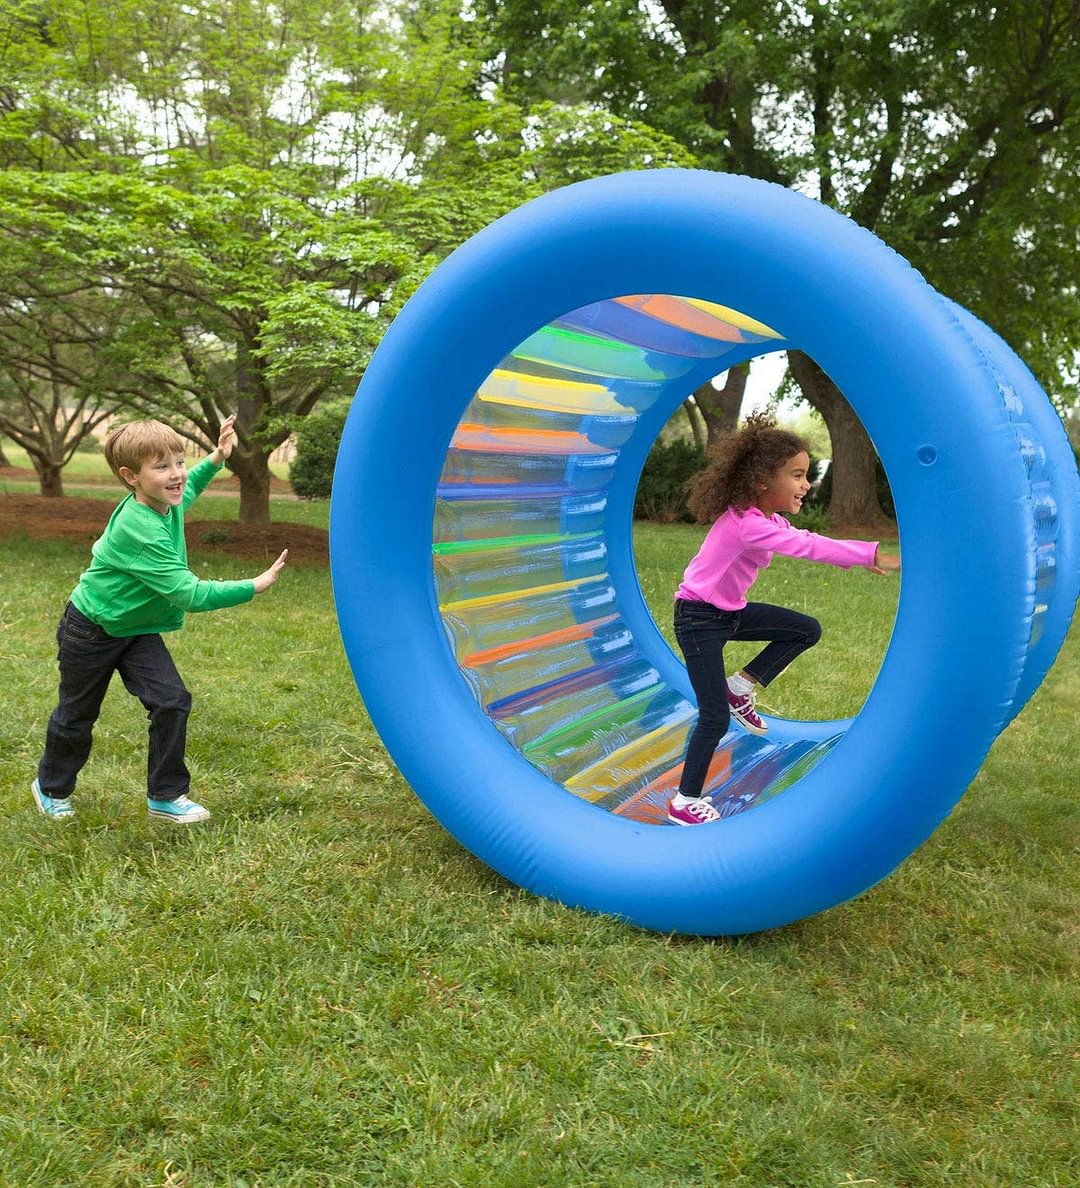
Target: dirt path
{"type": "Point", "coordinates": [72, 518]}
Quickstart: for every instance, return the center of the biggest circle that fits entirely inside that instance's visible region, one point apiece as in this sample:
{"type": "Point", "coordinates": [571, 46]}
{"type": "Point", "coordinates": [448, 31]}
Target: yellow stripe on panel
{"type": "Point", "coordinates": [733, 317]}
{"type": "Point", "coordinates": [601, 778]}
{"type": "Point", "coordinates": [551, 395]}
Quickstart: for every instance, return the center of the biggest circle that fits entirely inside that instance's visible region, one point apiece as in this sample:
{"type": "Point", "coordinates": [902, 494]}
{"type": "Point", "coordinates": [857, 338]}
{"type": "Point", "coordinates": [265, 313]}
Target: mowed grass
{"type": "Point", "coordinates": [320, 987]}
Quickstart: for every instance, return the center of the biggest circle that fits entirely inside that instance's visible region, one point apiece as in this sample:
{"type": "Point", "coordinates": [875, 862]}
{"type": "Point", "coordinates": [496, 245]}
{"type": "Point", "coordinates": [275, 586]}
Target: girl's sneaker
{"type": "Point", "coordinates": [692, 811]}
{"type": "Point", "coordinates": [742, 710]}
{"type": "Point", "coordinates": [180, 811]}
{"type": "Point", "coordinates": [55, 807]}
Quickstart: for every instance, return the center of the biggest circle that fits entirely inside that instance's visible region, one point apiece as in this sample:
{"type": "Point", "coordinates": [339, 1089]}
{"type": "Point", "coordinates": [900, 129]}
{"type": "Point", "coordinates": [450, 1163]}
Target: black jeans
{"type": "Point", "coordinates": [702, 631]}
{"type": "Point", "coordinates": [88, 657]}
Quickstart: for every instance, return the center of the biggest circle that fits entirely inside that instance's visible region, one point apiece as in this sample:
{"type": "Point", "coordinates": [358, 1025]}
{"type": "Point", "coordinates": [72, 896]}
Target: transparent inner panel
{"type": "Point", "coordinates": [520, 557]}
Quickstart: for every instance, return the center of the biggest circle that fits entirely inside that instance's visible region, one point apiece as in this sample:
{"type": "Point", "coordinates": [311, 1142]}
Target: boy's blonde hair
{"type": "Point", "coordinates": [138, 441]}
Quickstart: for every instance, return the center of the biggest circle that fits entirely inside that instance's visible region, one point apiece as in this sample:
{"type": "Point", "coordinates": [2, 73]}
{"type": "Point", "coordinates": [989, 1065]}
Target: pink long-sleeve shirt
{"type": "Point", "coordinates": [742, 542]}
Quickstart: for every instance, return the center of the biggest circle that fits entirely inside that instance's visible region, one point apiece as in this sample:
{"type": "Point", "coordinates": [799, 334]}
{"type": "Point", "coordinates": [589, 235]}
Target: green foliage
{"type": "Point", "coordinates": [573, 143]}
{"type": "Point", "coordinates": [317, 441]}
{"type": "Point", "coordinates": [948, 129]}
{"type": "Point", "coordinates": [809, 424]}
{"type": "Point", "coordinates": [662, 489]}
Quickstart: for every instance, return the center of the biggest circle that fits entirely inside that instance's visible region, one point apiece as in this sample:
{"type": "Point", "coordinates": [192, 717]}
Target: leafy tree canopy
{"type": "Point", "coordinates": [951, 130]}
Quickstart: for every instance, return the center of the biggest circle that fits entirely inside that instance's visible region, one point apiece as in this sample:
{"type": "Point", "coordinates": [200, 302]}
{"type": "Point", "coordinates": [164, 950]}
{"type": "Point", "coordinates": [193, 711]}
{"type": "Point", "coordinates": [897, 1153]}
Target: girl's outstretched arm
{"type": "Point", "coordinates": [885, 562]}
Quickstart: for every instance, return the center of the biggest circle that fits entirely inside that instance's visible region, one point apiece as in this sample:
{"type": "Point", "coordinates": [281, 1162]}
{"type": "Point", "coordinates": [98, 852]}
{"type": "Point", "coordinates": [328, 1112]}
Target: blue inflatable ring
{"type": "Point", "coordinates": [482, 555]}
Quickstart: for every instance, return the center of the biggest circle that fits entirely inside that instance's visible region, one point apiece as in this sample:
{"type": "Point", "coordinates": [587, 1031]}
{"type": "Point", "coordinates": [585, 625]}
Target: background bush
{"type": "Point", "coordinates": [661, 493]}
{"type": "Point", "coordinates": [317, 442]}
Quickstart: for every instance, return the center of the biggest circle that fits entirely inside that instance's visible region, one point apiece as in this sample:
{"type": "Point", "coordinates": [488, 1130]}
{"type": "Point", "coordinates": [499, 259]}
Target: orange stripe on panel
{"type": "Point", "coordinates": [523, 441]}
{"type": "Point", "coordinates": [548, 639]}
{"type": "Point", "coordinates": [677, 312]}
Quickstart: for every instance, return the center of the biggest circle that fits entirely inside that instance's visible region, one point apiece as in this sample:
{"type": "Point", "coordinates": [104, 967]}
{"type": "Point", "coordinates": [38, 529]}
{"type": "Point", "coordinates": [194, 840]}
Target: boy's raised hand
{"type": "Point", "coordinates": [226, 439]}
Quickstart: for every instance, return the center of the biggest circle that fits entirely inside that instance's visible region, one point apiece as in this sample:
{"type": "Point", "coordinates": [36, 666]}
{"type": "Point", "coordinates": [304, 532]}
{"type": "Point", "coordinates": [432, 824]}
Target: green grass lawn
{"type": "Point", "coordinates": [320, 987]}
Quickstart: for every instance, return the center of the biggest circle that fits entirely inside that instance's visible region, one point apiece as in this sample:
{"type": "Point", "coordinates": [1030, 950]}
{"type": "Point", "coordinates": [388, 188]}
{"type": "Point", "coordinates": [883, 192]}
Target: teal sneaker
{"type": "Point", "coordinates": [59, 809]}
{"type": "Point", "coordinates": [180, 811]}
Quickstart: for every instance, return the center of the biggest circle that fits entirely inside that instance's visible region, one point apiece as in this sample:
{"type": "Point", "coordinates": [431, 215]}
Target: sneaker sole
{"type": "Point", "coordinates": [185, 820]}
{"type": "Point", "coordinates": [759, 730]}
{"type": "Point", "coordinates": [687, 824]}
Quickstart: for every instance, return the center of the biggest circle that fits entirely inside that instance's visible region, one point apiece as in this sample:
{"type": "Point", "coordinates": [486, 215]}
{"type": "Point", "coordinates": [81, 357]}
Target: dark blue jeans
{"type": "Point", "coordinates": [88, 658]}
{"type": "Point", "coordinates": [702, 631]}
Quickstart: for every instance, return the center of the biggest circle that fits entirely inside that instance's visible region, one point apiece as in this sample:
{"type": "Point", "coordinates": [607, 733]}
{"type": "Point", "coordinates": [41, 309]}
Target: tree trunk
{"type": "Point", "coordinates": [50, 478]}
{"type": "Point", "coordinates": [697, 423]}
{"type": "Point", "coordinates": [3, 457]}
{"type": "Point", "coordinates": [720, 406]}
{"type": "Point", "coordinates": [854, 503]}
{"type": "Point", "coordinates": [253, 471]}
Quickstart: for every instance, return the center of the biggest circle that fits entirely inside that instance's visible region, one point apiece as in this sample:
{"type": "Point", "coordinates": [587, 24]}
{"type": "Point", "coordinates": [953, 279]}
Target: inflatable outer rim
{"type": "Point", "coordinates": [932, 409]}
{"type": "Point", "coordinates": [1064, 480]}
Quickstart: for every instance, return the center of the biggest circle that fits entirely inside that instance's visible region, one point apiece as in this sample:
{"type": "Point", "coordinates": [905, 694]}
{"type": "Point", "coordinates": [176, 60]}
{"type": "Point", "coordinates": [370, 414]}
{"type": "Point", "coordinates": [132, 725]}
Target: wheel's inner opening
{"type": "Point", "coordinates": [525, 503]}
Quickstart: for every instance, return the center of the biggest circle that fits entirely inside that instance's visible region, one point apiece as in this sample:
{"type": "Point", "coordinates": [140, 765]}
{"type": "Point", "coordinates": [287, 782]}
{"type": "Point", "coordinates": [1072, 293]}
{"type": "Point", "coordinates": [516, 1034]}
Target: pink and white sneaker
{"type": "Point", "coordinates": [742, 710]}
{"type": "Point", "coordinates": [694, 811]}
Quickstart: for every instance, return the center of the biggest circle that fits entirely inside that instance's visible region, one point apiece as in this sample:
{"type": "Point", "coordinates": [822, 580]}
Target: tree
{"type": "Point", "coordinates": [951, 130]}
{"type": "Point", "coordinates": [57, 384]}
{"type": "Point", "coordinates": [241, 179]}
{"type": "Point", "coordinates": [719, 407]}
{"type": "Point", "coordinates": [260, 187]}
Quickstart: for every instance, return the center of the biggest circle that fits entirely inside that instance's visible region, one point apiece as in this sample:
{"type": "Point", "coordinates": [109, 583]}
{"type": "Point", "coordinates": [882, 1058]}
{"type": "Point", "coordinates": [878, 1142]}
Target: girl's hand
{"type": "Point", "coordinates": [885, 563]}
{"type": "Point", "coordinates": [226, 440]}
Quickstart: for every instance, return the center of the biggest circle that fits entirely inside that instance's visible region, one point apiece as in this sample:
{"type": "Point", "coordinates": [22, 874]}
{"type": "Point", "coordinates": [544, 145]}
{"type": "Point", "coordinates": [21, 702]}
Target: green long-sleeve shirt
{"type": "Point", "coordinates": [138, 582]}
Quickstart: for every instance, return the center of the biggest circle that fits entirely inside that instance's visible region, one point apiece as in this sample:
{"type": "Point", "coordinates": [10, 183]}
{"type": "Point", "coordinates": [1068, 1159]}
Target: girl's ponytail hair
{"type": "Point", "coordinates": [740, 464]}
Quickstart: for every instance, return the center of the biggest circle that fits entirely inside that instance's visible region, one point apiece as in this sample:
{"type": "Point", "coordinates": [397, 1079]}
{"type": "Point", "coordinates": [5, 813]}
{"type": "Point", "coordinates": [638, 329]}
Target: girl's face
{"type": "Point", "coordinates": [787, 487]}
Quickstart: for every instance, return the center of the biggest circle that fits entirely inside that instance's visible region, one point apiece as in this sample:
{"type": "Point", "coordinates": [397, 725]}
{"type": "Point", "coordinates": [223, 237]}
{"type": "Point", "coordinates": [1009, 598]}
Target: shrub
{"type": "Point", "coordinates": [661, 493]}
{"type": "Point", "coordinates": [317, 441]}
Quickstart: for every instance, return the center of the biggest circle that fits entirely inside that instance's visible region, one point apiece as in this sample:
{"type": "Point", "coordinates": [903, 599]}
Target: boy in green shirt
{"type": "Point", "coordinates": [138, 585]}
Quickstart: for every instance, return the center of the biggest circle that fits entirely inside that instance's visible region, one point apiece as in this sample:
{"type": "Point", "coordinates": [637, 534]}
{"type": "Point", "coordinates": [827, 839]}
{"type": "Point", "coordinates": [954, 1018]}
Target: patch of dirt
{"type": "Point", "coordinates": [883, 530]}
{"type": "Point", "coordinates": [72, 518]}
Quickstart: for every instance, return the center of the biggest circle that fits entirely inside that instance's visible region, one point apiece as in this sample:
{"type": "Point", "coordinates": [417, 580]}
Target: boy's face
{"type": "Point", "coordinates": [159, 482]}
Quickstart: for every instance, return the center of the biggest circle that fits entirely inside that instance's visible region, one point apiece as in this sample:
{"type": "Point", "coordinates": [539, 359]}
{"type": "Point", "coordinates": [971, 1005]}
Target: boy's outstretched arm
{"type": "Point", "coordinates": [269, 576]}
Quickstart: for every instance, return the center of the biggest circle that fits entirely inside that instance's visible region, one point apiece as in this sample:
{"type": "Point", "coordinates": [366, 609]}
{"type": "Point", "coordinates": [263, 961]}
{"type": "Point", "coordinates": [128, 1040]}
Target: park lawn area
{"type": "Point", "coordinates": [215, 503]}
{"type": "Point", "coordinates": [320, 987]}
{"type": "Point", "coordinates": [89, 466]}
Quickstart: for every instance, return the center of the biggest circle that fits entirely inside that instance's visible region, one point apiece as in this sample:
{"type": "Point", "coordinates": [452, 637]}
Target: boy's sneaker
{"type": "Point", "coordinates": [180, 811]}
{"type": "Point", "coordinates": [52, 806]}
{"type": "Point", "coordinates": [742, 710]}
{"type": "Point", "coordinates": [691, 812]}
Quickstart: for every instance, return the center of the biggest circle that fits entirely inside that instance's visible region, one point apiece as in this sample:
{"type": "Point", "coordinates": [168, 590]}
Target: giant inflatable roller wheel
{"type": "Point", "coordinates": [483, 565]}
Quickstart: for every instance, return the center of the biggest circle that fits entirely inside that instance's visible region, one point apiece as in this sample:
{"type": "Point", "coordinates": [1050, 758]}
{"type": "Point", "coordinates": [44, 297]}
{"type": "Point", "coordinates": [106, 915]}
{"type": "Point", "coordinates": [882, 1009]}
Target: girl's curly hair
{"type": "Point", "coordinates": [739, 465]}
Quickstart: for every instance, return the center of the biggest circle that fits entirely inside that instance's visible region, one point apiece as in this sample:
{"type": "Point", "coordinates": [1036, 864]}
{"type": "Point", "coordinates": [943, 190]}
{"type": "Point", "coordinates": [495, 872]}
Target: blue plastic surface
{"type": "Point", "coordinates": [483, 565]}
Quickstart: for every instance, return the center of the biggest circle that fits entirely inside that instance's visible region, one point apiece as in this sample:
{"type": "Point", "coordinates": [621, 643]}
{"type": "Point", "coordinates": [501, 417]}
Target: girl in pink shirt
{"type": "Point", "coordinates": [753, 477]}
